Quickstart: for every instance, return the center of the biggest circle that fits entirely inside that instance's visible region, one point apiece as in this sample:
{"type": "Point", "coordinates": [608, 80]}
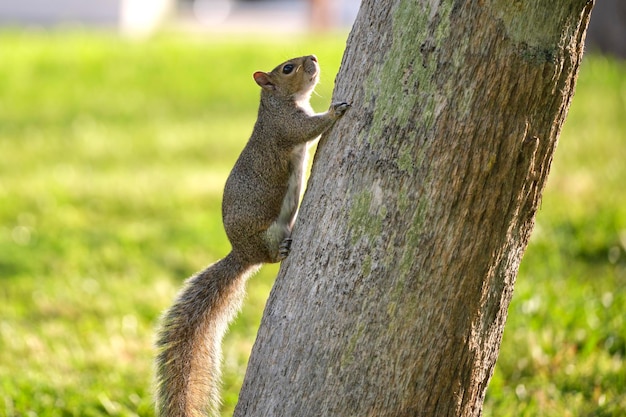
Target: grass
{"type": "Point", "coordinates": [114, 154]}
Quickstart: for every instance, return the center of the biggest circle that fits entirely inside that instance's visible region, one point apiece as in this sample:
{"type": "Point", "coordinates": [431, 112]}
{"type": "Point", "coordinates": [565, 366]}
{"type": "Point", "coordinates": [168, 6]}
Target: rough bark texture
{"type": "Point", "coordinates": [418, 210]}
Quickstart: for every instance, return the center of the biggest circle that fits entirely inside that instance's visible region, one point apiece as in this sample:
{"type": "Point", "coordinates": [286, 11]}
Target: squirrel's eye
{"type": "Point", "coordinates": [287, 69]}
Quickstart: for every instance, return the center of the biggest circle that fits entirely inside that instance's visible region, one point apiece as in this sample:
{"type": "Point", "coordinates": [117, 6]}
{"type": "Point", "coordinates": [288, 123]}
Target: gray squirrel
{"type": "Point", "coordinates": [259, 208]}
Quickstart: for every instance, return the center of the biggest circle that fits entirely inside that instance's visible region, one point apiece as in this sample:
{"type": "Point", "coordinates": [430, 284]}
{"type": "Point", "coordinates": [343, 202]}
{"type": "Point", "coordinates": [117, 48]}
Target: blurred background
{"type": "Point", "coordinates": [142, 17]}
{"type": "Point", "coordinates": [607, 30]}
{"type": "Point", "coordinates": [119, 122]}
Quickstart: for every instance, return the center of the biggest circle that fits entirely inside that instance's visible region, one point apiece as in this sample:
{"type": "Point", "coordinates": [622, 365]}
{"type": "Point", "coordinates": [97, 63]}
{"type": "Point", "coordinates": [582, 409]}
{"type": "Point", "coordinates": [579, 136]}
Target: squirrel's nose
{"type": "Point", "coordinates": [313, 58]}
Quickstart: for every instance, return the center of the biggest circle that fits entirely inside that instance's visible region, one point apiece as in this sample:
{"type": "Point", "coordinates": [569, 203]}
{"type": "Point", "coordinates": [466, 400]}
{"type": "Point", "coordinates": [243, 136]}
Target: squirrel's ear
{"type": "Point", "coordinates": [263, 80]}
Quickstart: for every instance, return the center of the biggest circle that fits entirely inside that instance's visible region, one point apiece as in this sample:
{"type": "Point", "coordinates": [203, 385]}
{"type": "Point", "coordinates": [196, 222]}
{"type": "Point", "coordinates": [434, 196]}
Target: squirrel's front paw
{"type": "Point", "coordinates": [340, 108]}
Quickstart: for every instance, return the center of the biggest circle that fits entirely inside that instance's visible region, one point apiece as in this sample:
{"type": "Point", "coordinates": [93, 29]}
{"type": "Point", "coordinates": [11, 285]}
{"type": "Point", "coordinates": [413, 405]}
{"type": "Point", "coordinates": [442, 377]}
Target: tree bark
{"type": "Point", "coordinates": [418, 210]}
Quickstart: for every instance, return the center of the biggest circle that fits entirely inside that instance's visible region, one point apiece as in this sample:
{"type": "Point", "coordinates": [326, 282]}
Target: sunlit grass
{"type": "Point", "coordinates": [113, 158]}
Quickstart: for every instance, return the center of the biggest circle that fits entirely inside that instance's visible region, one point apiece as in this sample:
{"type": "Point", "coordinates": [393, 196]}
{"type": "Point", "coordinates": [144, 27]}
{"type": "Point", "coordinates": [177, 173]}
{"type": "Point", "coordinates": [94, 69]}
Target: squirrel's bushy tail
{"type": "Point", "coordinates": [189, 341]}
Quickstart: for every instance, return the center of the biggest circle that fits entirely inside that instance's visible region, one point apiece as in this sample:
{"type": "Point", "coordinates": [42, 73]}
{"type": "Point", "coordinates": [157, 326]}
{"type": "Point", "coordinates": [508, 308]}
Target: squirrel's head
{"type": "Point", "coordinates": [295, 78]}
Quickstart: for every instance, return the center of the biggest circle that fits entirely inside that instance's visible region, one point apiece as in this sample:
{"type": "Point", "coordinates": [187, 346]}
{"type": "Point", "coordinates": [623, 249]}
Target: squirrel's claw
{"type": "Point", "coordinates": [340, 108]}
{"type": "Point", "coordinates": [284, 248]}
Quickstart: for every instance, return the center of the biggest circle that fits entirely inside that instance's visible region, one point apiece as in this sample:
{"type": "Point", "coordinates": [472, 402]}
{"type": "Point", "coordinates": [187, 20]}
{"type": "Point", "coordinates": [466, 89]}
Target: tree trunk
{"type": "Point", "coordinates": [419, 208]}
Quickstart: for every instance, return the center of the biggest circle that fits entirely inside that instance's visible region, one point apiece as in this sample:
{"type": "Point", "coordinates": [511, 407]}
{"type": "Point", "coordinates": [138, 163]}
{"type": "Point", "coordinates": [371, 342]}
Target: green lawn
{"type": "Point", "coordinates": [113, 154]}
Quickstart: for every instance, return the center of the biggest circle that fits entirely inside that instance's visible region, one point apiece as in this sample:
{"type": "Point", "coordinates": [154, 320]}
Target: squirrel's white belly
{"type": "Point", "coordinates": [289, 207]}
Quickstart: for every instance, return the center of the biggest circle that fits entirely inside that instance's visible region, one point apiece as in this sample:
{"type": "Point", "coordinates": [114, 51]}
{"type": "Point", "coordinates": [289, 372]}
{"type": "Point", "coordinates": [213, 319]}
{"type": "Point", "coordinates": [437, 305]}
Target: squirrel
{"type": "Point", "coordinates": [259, 208]}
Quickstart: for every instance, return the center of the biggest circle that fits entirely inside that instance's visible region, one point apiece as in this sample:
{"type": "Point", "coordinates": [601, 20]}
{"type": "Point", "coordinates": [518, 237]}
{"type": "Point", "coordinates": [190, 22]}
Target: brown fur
{"type": "Point", "coordinates": [259, 207]}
